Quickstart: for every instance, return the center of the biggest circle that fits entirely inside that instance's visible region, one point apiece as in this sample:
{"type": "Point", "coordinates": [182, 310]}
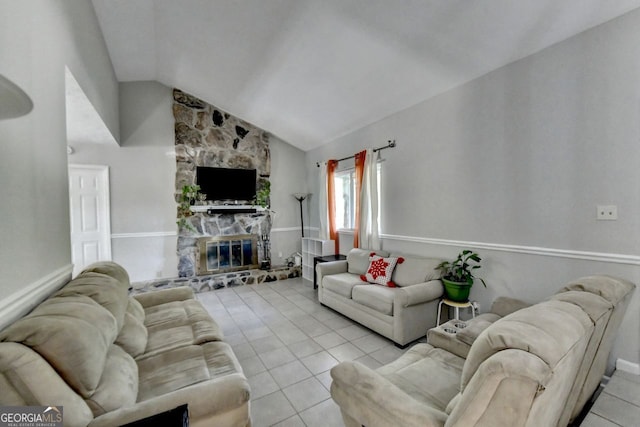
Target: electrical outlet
{"type": "Point", "coordinates": [607, 213]}
{"type": "Point", "coordinates": [475, 306]}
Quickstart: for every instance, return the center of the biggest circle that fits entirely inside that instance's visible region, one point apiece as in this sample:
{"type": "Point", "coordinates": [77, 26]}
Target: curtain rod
{"type": "Point", "coordinates": [390, 144]}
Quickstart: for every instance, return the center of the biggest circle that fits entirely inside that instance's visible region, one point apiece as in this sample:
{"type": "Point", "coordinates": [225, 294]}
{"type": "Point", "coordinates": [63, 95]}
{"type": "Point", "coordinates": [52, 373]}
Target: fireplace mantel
{"type": "Point", "coordinates": [229, 208]}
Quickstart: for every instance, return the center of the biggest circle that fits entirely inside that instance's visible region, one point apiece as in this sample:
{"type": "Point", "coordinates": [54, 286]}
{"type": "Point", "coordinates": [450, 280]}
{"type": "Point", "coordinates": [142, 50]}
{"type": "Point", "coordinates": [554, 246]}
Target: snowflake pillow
{"type": "Point", "coordinates": [380, 270]}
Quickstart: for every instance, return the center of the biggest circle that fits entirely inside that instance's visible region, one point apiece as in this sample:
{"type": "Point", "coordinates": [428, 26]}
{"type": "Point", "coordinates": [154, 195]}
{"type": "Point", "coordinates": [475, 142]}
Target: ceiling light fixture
{"type": "Point", "coordinates": [14, 102]}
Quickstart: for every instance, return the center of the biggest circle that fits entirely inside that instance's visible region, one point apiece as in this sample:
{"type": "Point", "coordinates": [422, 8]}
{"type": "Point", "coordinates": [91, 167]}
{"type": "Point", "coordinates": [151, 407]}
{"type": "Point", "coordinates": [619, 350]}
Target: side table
{"type": "Point", "coordinates": [457, 306]}
{"type": "Point", "coordinates": [326, 258]}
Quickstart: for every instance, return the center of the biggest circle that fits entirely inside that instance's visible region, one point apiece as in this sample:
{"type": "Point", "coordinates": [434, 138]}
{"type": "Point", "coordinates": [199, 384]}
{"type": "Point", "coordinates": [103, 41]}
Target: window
{"type": "Point", "coordinates": [345, 193]}
{"type": "Point", "coordinates": [345, 185]}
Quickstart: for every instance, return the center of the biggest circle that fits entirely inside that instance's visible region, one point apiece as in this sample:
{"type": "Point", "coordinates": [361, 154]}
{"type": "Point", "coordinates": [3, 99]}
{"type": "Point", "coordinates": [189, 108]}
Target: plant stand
{"type": "Point", "coordinates": [457, 306]}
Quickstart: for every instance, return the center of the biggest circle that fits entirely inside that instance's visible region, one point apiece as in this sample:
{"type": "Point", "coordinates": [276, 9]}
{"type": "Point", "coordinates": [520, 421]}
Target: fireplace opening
{"type": "Point", "coordinates": [220, 254]}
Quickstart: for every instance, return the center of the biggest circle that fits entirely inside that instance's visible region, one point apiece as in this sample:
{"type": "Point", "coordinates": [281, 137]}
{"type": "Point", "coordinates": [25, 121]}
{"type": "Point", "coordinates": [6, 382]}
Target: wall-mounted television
{"type": "Point", "coordinates": [227, 185]}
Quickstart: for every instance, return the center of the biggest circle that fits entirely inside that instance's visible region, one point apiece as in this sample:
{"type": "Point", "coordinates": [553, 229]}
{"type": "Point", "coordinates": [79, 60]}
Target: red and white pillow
{"type": "Point", "coordinates": [380, 270]}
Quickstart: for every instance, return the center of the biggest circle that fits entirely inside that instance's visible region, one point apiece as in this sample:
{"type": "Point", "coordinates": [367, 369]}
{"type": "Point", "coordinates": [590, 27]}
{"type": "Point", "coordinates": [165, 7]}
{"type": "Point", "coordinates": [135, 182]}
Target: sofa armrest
{"type": "Point", "coordinates": [331, 267]}
{"type": "Point", "coordinates": [503, 306]}
{"type": "Point", "coordinates": [418, 293]}
{"type": "Point", "coordinates": [150, 299]}
{"type": "Point", "coordinates": [205, 399]}
{"type": "Point", "coordinates": [365, 396]}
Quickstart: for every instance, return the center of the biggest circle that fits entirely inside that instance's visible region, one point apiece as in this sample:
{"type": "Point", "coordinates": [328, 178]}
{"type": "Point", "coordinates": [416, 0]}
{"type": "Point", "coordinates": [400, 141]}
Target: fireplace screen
{"type": "Point", "coordinates": [227, 253]}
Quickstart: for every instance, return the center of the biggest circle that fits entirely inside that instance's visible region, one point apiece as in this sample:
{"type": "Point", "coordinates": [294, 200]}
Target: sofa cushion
{"type": "Point", "coordinates": [26, 378]}
{"type": "Point", "coordinates": [178, 323]}
{"type": "Point", "coordinates": [378, 298]}
{"type": "Point", "coordinates": [181, 367]}
{"type": "Point", "coordinates": [428, 374]}
{"type": "Point", "coordinates": [73, 334]}
{"type": "Point", "coordinates": [133, 335]}
{"type": "Point", "coordinates": [103, 289]}
{"type": "Point", "coordinates": [415, 270]}
{"type": "Point", "coordinates": [341, 283]}
{"type": "Point", "coordinates": [112, 269]}
{"type": "Point", "coordinates": [474, 327]}
{"type": "Point", "coordinates": [118, 385]}
{"type": "Point", "coordinates": [548, 330]}
{"type": "Point", "coordinates": [358, 260]}
{"type": "Point", "coordinates": [380, 270]}
{"type": "Point", "coordinates": [610, 288]}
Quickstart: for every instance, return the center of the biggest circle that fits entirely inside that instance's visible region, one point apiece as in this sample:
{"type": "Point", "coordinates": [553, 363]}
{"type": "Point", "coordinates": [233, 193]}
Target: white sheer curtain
{"type": "Point", "coordinates": [322, 203]}
{"type": "Point", "coordinates": [369, 228]}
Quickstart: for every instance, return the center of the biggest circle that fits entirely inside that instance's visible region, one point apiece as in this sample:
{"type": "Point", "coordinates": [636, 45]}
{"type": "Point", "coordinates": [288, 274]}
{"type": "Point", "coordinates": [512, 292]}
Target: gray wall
{"type": "Point", "coordinates": [288, 176]}
{"type": "Point", "coordinates": [142, 177]}
{"type": "Point", "coordinates": [514, 164]}
{"type": "Point", "coordinates": [37, 40]}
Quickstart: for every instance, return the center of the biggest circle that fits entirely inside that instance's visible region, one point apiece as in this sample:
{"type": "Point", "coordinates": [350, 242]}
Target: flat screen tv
{"type": "Point", "coordinates": [227, 185]}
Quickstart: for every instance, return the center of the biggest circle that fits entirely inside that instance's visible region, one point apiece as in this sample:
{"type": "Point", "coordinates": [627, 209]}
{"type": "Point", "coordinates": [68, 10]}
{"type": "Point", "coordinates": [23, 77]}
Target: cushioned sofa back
{"type": "Point", "coordinates": [105, 290]}
{"type": "Point", "coordinates": [27, 379]}
{"type": "Point", "coordinates": [415, 270]}
{"type": "Point", "coordinates": [358, 260]}
{"type": "Point", "coordinates": [112, 269]}
{"type": "Point", "coordinates": [73, 333]}
{"type": "Point", "coordinates": [615, 293]}
{"type": "Point", "coordinates": [526, 362]}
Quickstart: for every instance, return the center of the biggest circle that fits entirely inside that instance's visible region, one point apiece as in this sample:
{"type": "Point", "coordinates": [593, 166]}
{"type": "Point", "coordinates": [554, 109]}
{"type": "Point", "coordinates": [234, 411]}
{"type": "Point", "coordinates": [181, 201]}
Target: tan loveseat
{"type": "Point", "coordinates": [402, 314]}
{"type": "Point", "coordinates": [110, 359]}
{"type": "Point", "coordinates": [535, 367]}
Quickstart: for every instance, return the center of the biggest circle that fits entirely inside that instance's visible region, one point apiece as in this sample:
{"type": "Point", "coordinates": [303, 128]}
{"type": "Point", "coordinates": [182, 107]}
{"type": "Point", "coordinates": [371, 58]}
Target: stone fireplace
{"type": "Point", "coordinates": [207, 136]}
{"type": "Point", "coordinates": [221, 254]}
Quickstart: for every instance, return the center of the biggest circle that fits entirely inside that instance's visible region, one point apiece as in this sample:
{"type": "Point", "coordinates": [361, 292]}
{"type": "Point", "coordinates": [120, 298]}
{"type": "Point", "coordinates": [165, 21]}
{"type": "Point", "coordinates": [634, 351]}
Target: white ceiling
{"type": "Point", "coordinates": [309, 71]}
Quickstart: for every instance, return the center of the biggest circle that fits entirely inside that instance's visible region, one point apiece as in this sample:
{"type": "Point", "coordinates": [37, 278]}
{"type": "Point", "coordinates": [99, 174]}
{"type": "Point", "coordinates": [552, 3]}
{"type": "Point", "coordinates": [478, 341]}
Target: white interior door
{"type": "Point", "coordinates": [90, 219]}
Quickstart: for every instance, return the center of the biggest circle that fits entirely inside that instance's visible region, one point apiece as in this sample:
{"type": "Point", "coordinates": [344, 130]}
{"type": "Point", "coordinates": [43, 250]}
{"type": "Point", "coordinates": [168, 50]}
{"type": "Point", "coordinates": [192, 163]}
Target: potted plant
{"type": "Point", "coordinates": [189, 195]}
{"type": "Point", "coordinates": [457, 275]}
{"type": "Point", "coordinates": [263, 194]}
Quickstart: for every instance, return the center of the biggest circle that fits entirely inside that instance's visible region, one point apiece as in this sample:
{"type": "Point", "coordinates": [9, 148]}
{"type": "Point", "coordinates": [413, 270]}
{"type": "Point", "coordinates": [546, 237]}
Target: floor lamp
{"type": "Point", "coordinates": [300, 197]}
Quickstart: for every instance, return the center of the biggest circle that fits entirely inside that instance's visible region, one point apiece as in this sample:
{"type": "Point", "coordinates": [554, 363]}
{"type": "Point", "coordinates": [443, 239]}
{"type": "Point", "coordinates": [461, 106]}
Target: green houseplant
{"type": "Point", "coordinates": [190, 193]}
{"type": "Point", "coordinates": [457, 275]}
{"type": "Point", "coordinates": [263, 194]}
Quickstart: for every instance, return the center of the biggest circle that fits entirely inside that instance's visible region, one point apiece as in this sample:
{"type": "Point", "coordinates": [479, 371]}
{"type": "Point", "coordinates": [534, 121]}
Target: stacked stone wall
{"type": "Point", "coordinates": [208, 136]}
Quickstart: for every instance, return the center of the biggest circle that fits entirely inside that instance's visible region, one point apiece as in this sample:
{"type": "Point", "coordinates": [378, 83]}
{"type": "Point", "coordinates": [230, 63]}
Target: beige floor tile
{"type": "Point", "coordinates": [271, 409]}
{"type": "Point", "coordinates": [277, 357]}
{"type": "Point", "coordinates": [306, 394]}
{"type": "Point", "coordinates": [305, 348]}
{"type": "Point", "coordinates": [330, 340]}
{"type": "Point", "coordinates": [290, 373]}
{"type": "Point", "coordinates": [324, 414]}
{"type": "Point", "coordinates": [319, 362]}
{"type": "Point", "coordinates": [262, 384]}
{"type": "Point", "coordinates": [346, 351]}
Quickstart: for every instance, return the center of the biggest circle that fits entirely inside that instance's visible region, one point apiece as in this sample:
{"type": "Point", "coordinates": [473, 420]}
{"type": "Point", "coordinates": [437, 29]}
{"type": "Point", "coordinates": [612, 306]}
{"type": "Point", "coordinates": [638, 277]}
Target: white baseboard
{"type": "Point", "coordinates": [629, 367]}
{"type": "Point", "coordinates": [23, 301]}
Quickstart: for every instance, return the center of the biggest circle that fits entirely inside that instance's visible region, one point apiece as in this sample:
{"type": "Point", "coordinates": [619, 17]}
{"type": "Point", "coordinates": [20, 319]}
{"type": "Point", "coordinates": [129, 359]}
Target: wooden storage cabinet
{"type": "Point", "coordinates": [313, 247]}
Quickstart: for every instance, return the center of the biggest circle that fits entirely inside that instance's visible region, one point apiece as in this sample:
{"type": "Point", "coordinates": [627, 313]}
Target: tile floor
{"type": "Point", "coordinates": [286, 343]}
{"type": "Point", "coordinates": [618, 404]}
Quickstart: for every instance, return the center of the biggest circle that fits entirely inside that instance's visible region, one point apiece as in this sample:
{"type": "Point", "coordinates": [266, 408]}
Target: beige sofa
{"type": "Point", "coordinates": [537, 366]}
{"type": "Point", "coordinates": [402, 314]}
{"type": "Point", "coordinates": [110, 359]}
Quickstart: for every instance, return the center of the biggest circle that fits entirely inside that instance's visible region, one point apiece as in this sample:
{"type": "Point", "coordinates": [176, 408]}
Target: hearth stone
{"type": "Point", "coordinates": [253, 277]}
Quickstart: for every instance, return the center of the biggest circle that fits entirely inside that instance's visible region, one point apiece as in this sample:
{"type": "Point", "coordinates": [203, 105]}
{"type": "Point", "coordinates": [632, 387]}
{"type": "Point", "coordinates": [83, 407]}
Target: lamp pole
{"type": "Point", "coordinates": [300, 197]}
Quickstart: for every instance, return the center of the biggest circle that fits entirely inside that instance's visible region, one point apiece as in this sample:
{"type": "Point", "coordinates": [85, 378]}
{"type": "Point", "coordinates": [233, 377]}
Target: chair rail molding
{"type": "Point", "coordinates": [22, 302]}
{"type": "Point", "coordinates": [522, 249]}
{"type": "Point", "coordinates": [531, 250]}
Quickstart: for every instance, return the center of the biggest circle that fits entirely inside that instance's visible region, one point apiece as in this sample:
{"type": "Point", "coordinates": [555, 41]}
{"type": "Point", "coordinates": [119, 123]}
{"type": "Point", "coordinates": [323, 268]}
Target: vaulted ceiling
{"type": "Point", "coordinates": [309, 71]}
